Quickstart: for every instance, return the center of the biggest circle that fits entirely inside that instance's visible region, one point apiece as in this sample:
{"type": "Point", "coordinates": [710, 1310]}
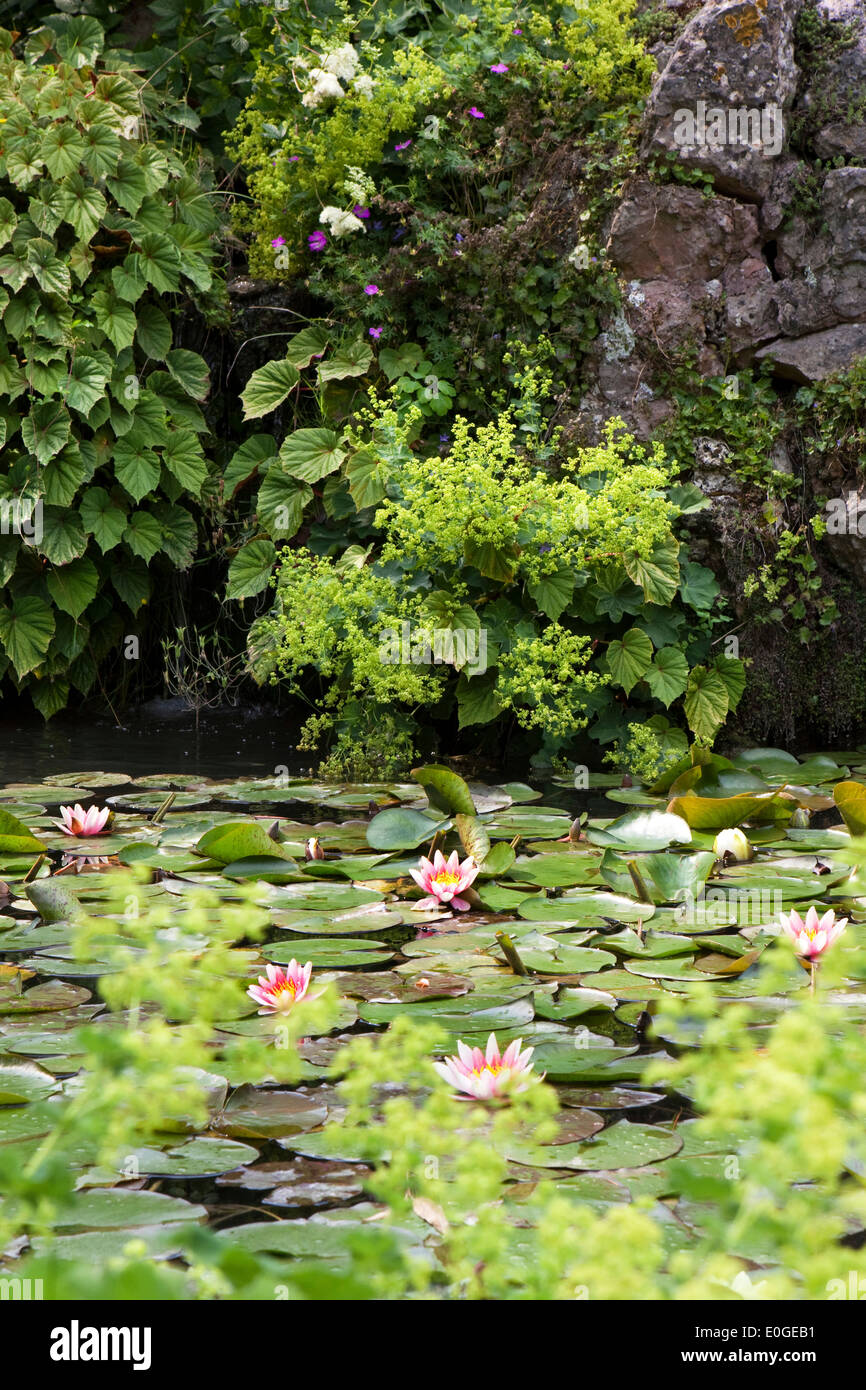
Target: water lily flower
{"type": "Point", "coordinates": [443, 880]}
{"type": "Point", "coordinates": [317, 241]}
{"type": "Point", "coordinates": [371, 289]}
{"type": "Point", "coordinates": [278, 241]}
{"type": "Point", "coordinates": [479, 115]}
{"type": "Point", "coordinates": [499, 67]}
{"type": "Point", "coordinates": [77, 821]}
{"type": "Point", "coordinates": [735, 843]}
{"type": "Point", "coordinates": [280, 989]}
{"type": "Point", "coordinates": [814, 936]}
{"type": "Point", "coordinates": [487, 1075]}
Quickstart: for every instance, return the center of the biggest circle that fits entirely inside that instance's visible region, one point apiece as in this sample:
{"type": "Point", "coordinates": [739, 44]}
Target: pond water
{"type": "Point", "coordinates": [572, 937]}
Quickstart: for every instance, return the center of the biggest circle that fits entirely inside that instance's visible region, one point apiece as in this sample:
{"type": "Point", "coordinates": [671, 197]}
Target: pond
{"type": "Point", "coordinates": [593, 907]}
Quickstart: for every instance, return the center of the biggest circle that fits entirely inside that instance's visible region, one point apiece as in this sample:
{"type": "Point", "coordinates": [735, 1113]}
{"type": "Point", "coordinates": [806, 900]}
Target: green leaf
{"type": "Point", "coordinates": [396, 362]}
{"type": "Point", "coordinates": [250, 571]}
{"type": "Point", "coordinates": [658, 574]}
{"type": "Point", "coordinates": [281, 501]}
{"type": "Point", "coordinates": [553, 593]}
{"type": "Point", "coordinates": [103, 518]}
{"type": "Point", "coordinates": [101, 150]}
{"type": "Point", "coordinates": [239, 839]}
{"type": "Point", "coordinates": [45, 430]}
{"type": "Point", "coordinates": [477, 701]}
{"type": "Point", "coordinates": [668, 675]}
{"type": "Point", "coordinates": [490, 560]}
{"type": "Point", "coordinates": [86, 384]}
{"type": "Point", "coordinates": [850, 797]}
{"type": "Point", "coordinates": [473, 837]}
{"type": "Point", "coordinates": [189, 371]}
{"type": "Point", "coordinates": [446, 791]}
{"type": "Point", "coordinates": [143, 535]}
{"type": "Point", "coordinates": [733, 673]}
{"type": "Point", "coordinates": [698, 587]}
{"type": "Point", "coordinates": [183, 457]}
{"type": "Point", "coordinates": [629, 658]}
{"type": "Point", "coordinates": [136, 467]}
{"type": "Point", "coordinates": [63, 537]}
{"type": "Point", "coordinates": [153, 331]}
{"type": "Point", "coordinates": [366, 476]}
{"type": "Point", "coordinates": [8, 220]}
{"type": "Point", "coordinates": [268, 387]}
{"type": "Point", "coordinates": [399, 828]}
{"type": "Point", "coordinates": [311, 454]}
{"type": "Point", "coordinates": [132, 581]}
{"type": "Point", "coordinates": [706, 703]}
{"type": "Point", "coordinates": [179, 533]}
{"type": "Point", "coordinates": [352, 360]}
{"type": "Point", "coordinates": [247, 461]}
{"type": "Point", "coordinates": [80, 41]}
{"type": "Point", "coordinates": [159, 262]}
{"type": "Point", "coordinates": [82, 205]}
{"type": "Point", "coordinates": [62, 149]}
{"type": "Point", "coordinates": [73, 586]}
{"type": "Point", "coordinates": [116, 320]}
{"type": "Point", "coordinates": [309, 343]}
{"type": "Point", "coordinates": [128, 186]}
{"type": "Point", "coordinates": [26, 630]}
{"type": "Point", "coordinates": [16, 838]}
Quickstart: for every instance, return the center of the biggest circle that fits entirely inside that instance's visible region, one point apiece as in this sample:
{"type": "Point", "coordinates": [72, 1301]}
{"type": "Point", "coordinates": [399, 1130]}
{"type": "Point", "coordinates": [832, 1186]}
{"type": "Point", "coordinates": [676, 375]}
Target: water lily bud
{"type": "Point", "coordinates": [800, 819]}
{"type": "Point", "coordinates": [734, 843]}
{"type": "Point", "coordinates": [313, 850]}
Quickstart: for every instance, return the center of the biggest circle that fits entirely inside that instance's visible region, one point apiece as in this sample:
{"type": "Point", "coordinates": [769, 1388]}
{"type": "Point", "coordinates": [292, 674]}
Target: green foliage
{"type": "Point", "coordinates": [488, 582]}
{"type": "Point", "coordinates": [101, 230]}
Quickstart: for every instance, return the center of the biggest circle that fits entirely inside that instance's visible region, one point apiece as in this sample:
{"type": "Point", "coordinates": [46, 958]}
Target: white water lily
{"type": "Point", "coordinates": [325, 85]}
{"type": "Point", "coordinates": [340, 222]}
{"type": "Point", "coordinates": [343, 61]}
{"type": "Point", "coordinates": [735, 843]}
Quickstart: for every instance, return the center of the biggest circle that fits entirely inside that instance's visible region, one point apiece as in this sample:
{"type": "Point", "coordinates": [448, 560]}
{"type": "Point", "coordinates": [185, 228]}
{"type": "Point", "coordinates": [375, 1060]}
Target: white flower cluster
{"type": "Point", "coordinates": [359, 187]}
{"type": "Point", "coordinates": [338, 66]}
{"type": "Point", "coordinates": [340, 222]}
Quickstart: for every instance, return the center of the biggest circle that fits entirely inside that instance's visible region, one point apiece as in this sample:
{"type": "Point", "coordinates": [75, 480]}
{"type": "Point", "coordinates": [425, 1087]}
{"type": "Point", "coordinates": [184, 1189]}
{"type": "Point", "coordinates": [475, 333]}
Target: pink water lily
{"type": "Point", "coordinates": [443, 880]}
{"type": "Point", "coordinates": [814, 936]}
{"type": "Point", "coordinates": [487, 1075]}
{"type": "Point", "coordinates": [77, 821]}
{"type": "Point", "coordinates": [279, 989]}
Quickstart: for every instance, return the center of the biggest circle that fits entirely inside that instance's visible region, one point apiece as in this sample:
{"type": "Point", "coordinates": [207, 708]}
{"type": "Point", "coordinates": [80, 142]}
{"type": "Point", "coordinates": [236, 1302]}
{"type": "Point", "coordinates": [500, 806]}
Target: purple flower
{"type": "Point", "coordinates": [544, 547]}
{"type": "Point", "coordinates": [278, 241]}
{"type": "Point", "coordinates": [458, 236]}
{"type": "Point", "coordinates": [405, 145]}
{"type": "Point", "coordinates": [375, 332]}
{"type": "Point", "coordinates": [293, 158]}
{"type": "Point", "coordinates": [517, 31]}
{"type": "Point", "coordinates": [499, 67]}
{"type": "Point", "coordinates": [317, 241]}
{"type": "Point", "coordinates": [478, 115]}
{"type": "Point", "coordinates": [361, 212]}
{"type": "Point", "coordinates": [401, 231]}
{"type": "Point", "coordinates": [371, 289]}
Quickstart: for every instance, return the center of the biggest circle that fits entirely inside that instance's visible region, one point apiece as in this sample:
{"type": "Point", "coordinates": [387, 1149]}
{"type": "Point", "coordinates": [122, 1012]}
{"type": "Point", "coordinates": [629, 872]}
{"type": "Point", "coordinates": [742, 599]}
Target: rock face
{"type": "Point", "coordinates": [772, 263]}
{"type": "Point", "coordinates": [720, 103]}
{"type": "Point", "coordinates": [841, 94]}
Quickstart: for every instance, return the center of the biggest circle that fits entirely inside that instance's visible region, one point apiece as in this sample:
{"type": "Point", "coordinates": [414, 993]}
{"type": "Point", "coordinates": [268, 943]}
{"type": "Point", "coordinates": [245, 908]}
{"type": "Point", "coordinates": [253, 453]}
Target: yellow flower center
{"type": "Point", "coordinates": [444, 879]}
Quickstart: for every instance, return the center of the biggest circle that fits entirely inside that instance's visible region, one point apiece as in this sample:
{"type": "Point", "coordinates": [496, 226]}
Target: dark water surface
{"type": "Point", "coordinates": [159, 738]}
